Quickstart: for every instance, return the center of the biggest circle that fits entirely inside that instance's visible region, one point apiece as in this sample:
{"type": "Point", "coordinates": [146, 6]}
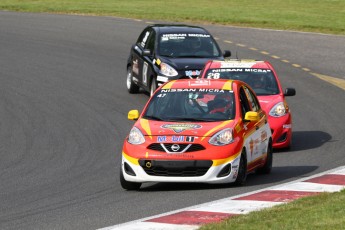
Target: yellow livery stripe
{"type": "Point", "coordinates": [130, 159]}
{"type": "Point", "coordinates": [146, 126]}
{"type": "Point", "coordinates": [216, 128]}
{"type": "Point", "coordinates": [225, 160]}
{"type": "Point", "coordinates": [227, 85]}
{"type": "Point", "coordinates": [168, 85]}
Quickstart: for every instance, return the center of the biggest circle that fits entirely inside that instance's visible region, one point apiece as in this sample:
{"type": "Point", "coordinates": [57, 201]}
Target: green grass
{"type": "Point", "coordinates": [325, 16]}
{"type": "Point", "coordinates": [324, 211]}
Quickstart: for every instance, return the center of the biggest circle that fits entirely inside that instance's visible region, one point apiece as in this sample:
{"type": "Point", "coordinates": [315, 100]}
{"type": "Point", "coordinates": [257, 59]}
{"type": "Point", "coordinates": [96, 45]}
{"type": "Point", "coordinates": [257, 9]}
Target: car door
{"type": "Point", "coordinates": [256, 139]}
{"type": "Point", "coordinates": [141, 60]}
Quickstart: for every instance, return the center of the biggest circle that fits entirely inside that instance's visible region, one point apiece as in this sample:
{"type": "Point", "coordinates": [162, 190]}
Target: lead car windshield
{"type": "Point", "coordinates": [184, 45]}
{"type": "Point", "coordinates": [205, 105]}
{"type": "Point", "coordinates": [262, 81]}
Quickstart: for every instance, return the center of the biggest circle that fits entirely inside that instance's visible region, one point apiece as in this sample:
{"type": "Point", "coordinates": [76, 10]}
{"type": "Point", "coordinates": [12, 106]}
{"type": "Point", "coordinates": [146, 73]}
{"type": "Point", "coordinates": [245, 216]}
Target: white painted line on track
{"type": "Point", "coordinates": [193, 217]}
{"type": "Point", "coordinates": [310, 187]}
{"type": "Point", "coordinates": [236, 206]}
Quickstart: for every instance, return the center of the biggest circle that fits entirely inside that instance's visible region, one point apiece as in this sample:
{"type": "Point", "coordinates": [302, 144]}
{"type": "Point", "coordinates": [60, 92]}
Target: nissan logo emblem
{"type": "Point", "coordinates": [175, 147]}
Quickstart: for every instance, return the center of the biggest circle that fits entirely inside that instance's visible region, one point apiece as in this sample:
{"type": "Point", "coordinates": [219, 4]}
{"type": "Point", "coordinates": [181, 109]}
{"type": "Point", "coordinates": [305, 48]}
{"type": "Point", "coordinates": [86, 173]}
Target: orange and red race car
{"type": "Point", "coordinates": [263, 79]}
{"type": "Point", "coordinates": [197, 130]}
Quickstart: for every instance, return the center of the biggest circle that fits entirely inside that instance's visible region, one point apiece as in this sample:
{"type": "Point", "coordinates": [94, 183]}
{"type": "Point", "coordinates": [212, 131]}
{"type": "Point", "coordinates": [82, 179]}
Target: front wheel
{"type": "Point", "coordinates": [131, 86]}
{"type": "Point", "coordinates": [127, 184]}
{"type": "Point", "coordinates": [242, 170]}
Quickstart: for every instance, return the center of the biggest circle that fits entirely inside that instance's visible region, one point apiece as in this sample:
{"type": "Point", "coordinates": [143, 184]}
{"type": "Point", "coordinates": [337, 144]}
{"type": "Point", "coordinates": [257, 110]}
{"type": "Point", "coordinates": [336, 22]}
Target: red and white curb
{"type": "Point", "coordinates": [195, 216]}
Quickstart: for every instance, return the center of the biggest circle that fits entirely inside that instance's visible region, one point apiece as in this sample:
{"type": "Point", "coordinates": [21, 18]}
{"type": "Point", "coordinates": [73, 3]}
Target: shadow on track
{"type": "Point", "coordinates": [305, 140]}
{"type": "Point", "coordinates": [278, 174]}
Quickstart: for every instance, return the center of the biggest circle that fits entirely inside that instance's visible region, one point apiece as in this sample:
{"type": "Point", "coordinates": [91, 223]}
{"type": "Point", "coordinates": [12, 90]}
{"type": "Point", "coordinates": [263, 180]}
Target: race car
{"type": "Point", "coordinates": [263, 79]}
{"type": "Point", "coordinates": [197, 130]}
{"type": "Point", "coordinates": [165, 52]}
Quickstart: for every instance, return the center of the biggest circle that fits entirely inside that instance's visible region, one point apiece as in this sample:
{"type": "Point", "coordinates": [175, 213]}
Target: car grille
{"type": "Point", "coordinates": [178, 168]}
{"type": "Point", "coordinates": [182, 148]}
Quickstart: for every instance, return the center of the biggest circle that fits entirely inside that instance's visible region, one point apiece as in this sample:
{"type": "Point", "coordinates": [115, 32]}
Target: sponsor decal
{"type": "Point", "coordinates": [175, 139]}
{"type": "Point", "coordinates": [217, 73]}
{"type": "Point", "coordinates": [199, 35]}
{"type": "Point", "coordinates": [199, 83]}
{"type": "Point", "coordinates": [161, 139]}
{"type": "Point", "coordinates": [145, 67]}
{"type": "Point", "coordinates": [192, 73]}
{"type": "Point", "coordinates": [192, 90]}
{"type": "Point", "coordinates": [287, 126]}
{"type": "Point", "coordinates": [143, 42]}
{"type": "Point", "coordinates": [189, 139]}
{"type": "Point", "coordinates": [251, 147]}
{"type": "Point", "coordinates": [163, 79]}
{"type": "Point", "coordinates": [237, 64]}
{"type": "Point", "coordinates": [263, 135]}
{"type": "Point", "coordinates": [178, 155]}
{"type": "Point", "coordinates": [177, 90]}
{"type": "Point", "coordinates": [135, 67]}
{"type": "Point", "coordinates": [166, 37]}
{"type": "Point", "coordinates": [178, 128]}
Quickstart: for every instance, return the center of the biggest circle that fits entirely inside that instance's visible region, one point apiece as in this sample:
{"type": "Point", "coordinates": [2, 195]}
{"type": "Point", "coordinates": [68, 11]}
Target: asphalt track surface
{"type": "Point", "coordinates": [63, 118]}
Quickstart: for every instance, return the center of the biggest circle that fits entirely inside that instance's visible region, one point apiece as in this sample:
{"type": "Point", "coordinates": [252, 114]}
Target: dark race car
{"type": "Point", "coordinates": [168, 52]}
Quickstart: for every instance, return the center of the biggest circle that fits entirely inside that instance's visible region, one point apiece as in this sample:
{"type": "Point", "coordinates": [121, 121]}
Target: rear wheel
{"type": "Point", "coordinates": [127, 184]}
{"type": "Point", "coordinates": [153, 86]}
{"type": "Point", "coordinates": [267, 168]}
{"type": "Point", "coordinates": [131, 86]}
{"type": "Point", "coordinates": [242, 170]}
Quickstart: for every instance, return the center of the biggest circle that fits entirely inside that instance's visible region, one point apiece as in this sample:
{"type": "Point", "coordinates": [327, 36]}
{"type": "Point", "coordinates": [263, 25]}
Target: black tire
{"type": "Point", "coordinates": [242, 170]}
{"type": "Point", "coordinates": [153, 86]}
{"type": "Point", "coordinates": [267, 168]}
{"type": "Point", "coordinates": [127, 184]}
{"type": "Point", "coordinates": [131, 86]}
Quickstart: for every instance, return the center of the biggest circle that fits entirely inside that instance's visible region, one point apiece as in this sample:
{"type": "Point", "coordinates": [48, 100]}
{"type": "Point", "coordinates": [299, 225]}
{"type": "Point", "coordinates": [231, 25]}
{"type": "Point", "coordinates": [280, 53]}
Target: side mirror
{"type": "Point", "coordinates": [133, 115]}
{"type": "Point", "coordinates": [252, 116]}
{"type": "Point", "coordinates": [226, 53]}
{"type": "Point", "coordinates": [290, 92]}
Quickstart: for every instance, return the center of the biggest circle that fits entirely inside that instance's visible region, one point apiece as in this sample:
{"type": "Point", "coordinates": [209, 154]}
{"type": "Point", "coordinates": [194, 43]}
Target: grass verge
{"type": "Point", "coordinates": [324, 16]}
{"type": "Point", "coordinates": [323, 211]}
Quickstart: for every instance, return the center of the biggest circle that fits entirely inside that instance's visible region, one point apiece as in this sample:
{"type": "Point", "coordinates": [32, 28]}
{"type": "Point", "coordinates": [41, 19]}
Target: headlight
{"type": "Point", "coordinates": [278, 110]}
{"type": "Point", "coordinates": [167, 70]}
{"type": "Point", "coordinates": [223, 137]}
{"type": "Point", "coordinates": [135, 136]}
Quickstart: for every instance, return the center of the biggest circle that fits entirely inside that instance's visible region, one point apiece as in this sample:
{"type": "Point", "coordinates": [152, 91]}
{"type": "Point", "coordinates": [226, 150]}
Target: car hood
{"type": "Point", "coordinates": [181, 64]}
{"type": "Point", "coordinates": [196, 129]}
{"type": "Point", "coordinates": [268, 101]}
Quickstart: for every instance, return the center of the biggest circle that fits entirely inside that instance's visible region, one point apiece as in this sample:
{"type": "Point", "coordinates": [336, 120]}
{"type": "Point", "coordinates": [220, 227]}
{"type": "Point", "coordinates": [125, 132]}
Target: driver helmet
{"type": "Point", "coordinates": [194, 43]}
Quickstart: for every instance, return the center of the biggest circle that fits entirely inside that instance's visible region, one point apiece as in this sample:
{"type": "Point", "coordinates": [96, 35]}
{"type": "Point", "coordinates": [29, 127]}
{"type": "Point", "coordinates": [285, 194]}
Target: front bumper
{"type": "Point", "coordinates": [281, 128]}
{"type": "Point", "coordinates": [203, 171]}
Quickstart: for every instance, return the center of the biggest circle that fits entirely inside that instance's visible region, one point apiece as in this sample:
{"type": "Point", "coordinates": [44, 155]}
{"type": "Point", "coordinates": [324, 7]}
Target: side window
{"type": "Point", "coordinates": [142, 40]}
{"type": "Point", "coordinates": [245, 107]}
{"type": "Point", "coordinates": [150, 44]}
{"type": "Point", "coordinates": [255, 106]}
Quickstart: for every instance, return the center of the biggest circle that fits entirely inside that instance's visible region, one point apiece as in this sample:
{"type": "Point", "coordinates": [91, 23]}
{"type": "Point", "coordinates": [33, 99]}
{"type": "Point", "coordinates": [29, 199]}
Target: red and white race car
{"type": "Point", "coordinates": [263, 79]}
{"type": "Point", "coordinates": [197, 130]}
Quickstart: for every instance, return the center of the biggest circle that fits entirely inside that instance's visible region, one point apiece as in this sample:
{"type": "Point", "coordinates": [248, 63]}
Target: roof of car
{"type": "Point", "coordinates": [178, 28]}
{"type": "Point", "coordinates": [224, 84]}
{"type": "Point", "coordinates": [240, 63]}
